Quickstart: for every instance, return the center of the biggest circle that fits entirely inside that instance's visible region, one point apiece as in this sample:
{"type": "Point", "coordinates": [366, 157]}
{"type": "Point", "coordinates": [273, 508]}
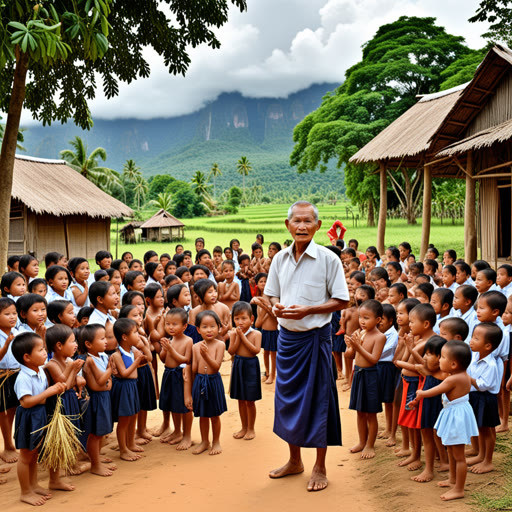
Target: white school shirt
{"type": "Point", "coordinates": [471, 320]}
{"type": "Point", "coordinates": [388, 351]}
{"type": "Point", "coordinates": [486, 373]}
{"type": "Point", "coordinates": [8, 362]}
{"type": "Point", "coordinates": [317, 277]}
{"type": "Point", "coordinates": [30, 382]}
{"type": "Point", "coordinates": [52, 295]}
{"type": "Point", "coordinates": [76, 307]}
{"type": "Point", "coordinates": [453, 287]}
{"type": "Point", "coordinates": [469, 281]}
{"type": "Point", "coordinates": [97, 317]}
{"type": "Point", "coordinates": [436, 327]}
{"type": "Point", "coordinates": [507, 290]}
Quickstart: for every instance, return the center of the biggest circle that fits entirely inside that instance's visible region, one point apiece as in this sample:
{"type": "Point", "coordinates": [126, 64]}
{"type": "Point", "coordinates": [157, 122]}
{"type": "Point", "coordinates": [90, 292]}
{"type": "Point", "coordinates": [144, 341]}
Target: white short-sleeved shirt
{"type": "Point", "coordinates": [388, 351]}
{"type": "Point", "coordinates": [470, 318]}
{"type": "Point", "coordinates": [52, 295]}
{"type": "Point", "coordinates": [486, 373]}
{"type": "Point", "coordinates": [76, 307]}
{"type": "Point", "coordinates": [507, 290]}
{"type": "Point", "coordinates": [97, 317]}
{"type": "Point", "coordinates": [30, 382]}
{"type": "Point", "coordinates": [8, 362]}
{"type": "Point", "coordinates": [317, 277]}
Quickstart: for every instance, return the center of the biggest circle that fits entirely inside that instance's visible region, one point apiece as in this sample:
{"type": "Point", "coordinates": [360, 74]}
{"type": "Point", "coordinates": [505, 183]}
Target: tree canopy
{"type": "Point", "coordinates": [499, 14]}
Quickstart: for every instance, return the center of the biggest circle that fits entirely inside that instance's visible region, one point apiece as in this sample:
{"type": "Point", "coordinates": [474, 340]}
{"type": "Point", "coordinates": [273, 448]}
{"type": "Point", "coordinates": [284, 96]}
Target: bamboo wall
{"type": "Point", "coordinates": [489, 218]}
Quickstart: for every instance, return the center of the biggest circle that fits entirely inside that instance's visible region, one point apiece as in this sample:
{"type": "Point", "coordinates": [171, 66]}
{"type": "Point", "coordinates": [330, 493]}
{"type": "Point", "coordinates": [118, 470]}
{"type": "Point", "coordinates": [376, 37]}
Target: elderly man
{"type": "Point", "coordinates": [305, 285]}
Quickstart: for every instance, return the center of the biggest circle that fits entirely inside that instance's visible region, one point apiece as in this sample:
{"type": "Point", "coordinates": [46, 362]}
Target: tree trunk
{"type": "Point", "coordinates": [409, 199]}
{"type": "Point", "coordinates": [470, 248]}
{"type": "Point", "coordinates": [8, 152]}
{"type": "Point", "coordinates": [427, 210]}
{"type": "Point", "coordinates": [383, 207]}
{"type": "Point", "coordinates": [371, 214]}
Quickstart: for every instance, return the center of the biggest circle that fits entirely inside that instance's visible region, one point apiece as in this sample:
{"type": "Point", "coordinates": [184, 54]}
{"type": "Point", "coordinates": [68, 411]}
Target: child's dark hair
{"type": "Point", "coordinates": [202, 286]}
{"type": "Point", "coordinates": [204, 314]}
{"type": "Point", "coordinates": [452, 254]}
{"type": "Point", "coordinates": [494, 299]}
{"type": "Point", "coordinates": [111, 271]}
{"type": "Point", "coordinates": [126, 309]}
{"type": "Point", "coordinates": [170, 263]}
{"type": "Point", "coordinates": [507, 268]}
{"type": "Point", "coordinates": [100, 274]}
{"type": "Point", "coordinates": [350, 251]}
{"type": "Point", "coordinates": [174, 292]}
{"type": "Point", "coordinates": [358, 276]}
{"type": "Point", "coordinates": [423, 277]}
{"type": "Point", "coordinates": [232, 242]}
{"type": "Point", "coordinates": [410, 304]}
{"type": "Point", "coordinates": [165, 255]}
{"type": "Point", "coordinates": [130, 277]}
{"type": "Point", "coordinates": [25, 261]}
{"type": "Point", "coordinates": [394, 252]}
{"type": "Point", "coordinates": [201, 253]}
{"type": "Point", "coordinates": [260, 275]}
{"type": "Point", "coordinates": [374, 306]}
{"type": "Point", "coordinates": [129, 296]}
{"type": "Point", "coordinates": [431, 264]}
{"type": "Point", "coordinates": [36, 282]}
{"type": "Point", "coordinates": [126, 254]}
{"type": "Point", "coordinates": [56, 308]}
{"type": "Point", "coordinates": [7, 279]}
{"type": "Point", "coordinates": [240, 307]}
{"type": "Point", "coordinates": [98, 289]}
{"type": "Point", "coordinates": [148, 255]}
{"type": "Point", "coordinates": [179, 312]}
{"type": "Point", "coordinates": [182, 270]}
{"type": "Point", "coordinates": [445, 295]}
{"type": "Point", "coordinates": [243, 257]}
{"type": "Point", "coordinates": [73, 264]}
{"type": "Point", "coordinates": [170, 279]}
{"type": "Point", "coordinates": [489, 273]}
{"type": "Point", "coordinates": [426, 288]}
{"type": "Point", "coordinates": [122, 327]}
{"type": "Point", "coordinates": [493, 333]}
{"type": "Point", "coordinates": [373, 250]}
{"type": "Point", "coordinates": [194, 268]}
{"type": "Point", "coordinates": [84, 312]}
{"type": "Point", "coordinates": [451, 269]}
{"type": "Point", "coordinates": [380, 273]}
{"type": "Point", "coordinates": [463, 267]}
{"type": "Point", "coordinates": [12, 260]}
{"type": "Point", "coordinates": [435, 344]}
{"type": "Point", "coordinates": [277, 245]}
{"type": "Point", "coordinates": [117, 263]}
{"type": "Point", "coordinates": [54, 270]}
{"type": "Point", "coordinates": [417, 266]}
{"type": "Point", "coordinates": [87, 333]}
{"type": "Point", "coordinates": [356, 261]}
{"type": "Point", "coordinates": [480, 265]}
{"type": "Point", "coordinates": [433, 249]}
{"type": "Point", "coordinates": [6, 302]}
{"type": "Point", "coordinates": [228, 262]}
{"type": "Point", "coordinates": [406, 246]}
{"type": "Point", "coordinates": [178, 258]}
{"type": "Point", "coordinates": [400, 288]}
{"type": "Point", "coordinates": [52, 258]}
{"type": "Point", "coordinates": [255, 246]}
{"type": "Point", "coordinates": [369, 290]}
{"type": "Point", "coordinates": [217, 249]}
{"type": "Point", "coordinates": [468, 292]}
{"type": "Point", "coordinates": [25, 302]}
{"type": "Point", "coordinates": [101, 255]}
{"type": "Point", "coordinates": [57, 334]}
{"type": "Point", "coordinates": [23, 344]}
{"type": "Point", "coordinates": [395, 265]}
{"type": "Point", "coordinates": [150, 267]}
{"type": "Point", "coordinates": [152, 289]}
{"type": "Point", "coordinates": [353, 241]}
{"type": "Point", "coordinates": [459, 351]}
{"type": "Point", "coordinates": [389, 312]}
{"type": "Point", "coordinates": [425, 313]}
{"type": "Point", "coordinates": [456, 326]}
{"type": "Point", "coordinates": [134, 262]}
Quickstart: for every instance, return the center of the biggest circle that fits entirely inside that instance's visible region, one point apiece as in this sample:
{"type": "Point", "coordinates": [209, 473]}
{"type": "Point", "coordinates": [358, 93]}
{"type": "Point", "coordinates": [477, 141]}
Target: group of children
{"type": "Point", "coordinates": [94, 340]}
{"type": "Point", "coordinates": [430, 341]}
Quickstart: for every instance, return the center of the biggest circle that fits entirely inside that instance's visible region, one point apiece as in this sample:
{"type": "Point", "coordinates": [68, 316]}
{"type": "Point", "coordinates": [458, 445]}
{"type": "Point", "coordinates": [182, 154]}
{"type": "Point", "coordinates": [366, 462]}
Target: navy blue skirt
{"type": "Point", "coordinates": [364, 396]}
{"type": "Point", "coordinates": [306, 411]}
{"type": "Point", "coordinates": [27, 425]}
{"type": "Point", "coordinates": [171, 391]}
{"type": "Point", "coordinates": [8, 398]}
{"type": "Point", "coordinates": [431, 406]}
{"type": "Point", "coordinates": [71, 408]}
{"type": "Point", "coordinates": [146, 388]}
{"type": "Point", "coordinates": [338, 341]}
{"type": "Point", "coordinates": [269, 340]}
{"type": "Point", "coordinates": [191, 332]}
{"type": "Point", "coordinates": [208, 396]}
{"type": "Point", "coordinates": [245, 290]}
{"type": "Point", "coordinates": [99, 413]}
{"type": "Point", "coordinates": [388, 375]}
{"type": "Point", "coordinates": [485, 407]}
{"type": "Point", "coordinates": [125, 398]}
{"type": "Point", "coordinates": [246, 379]}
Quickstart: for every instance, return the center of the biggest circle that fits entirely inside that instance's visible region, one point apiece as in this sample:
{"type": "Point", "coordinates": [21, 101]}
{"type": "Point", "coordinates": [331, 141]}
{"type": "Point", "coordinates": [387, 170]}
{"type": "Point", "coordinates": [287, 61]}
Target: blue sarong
{"type": "Point", "coordinates": [306, 411]}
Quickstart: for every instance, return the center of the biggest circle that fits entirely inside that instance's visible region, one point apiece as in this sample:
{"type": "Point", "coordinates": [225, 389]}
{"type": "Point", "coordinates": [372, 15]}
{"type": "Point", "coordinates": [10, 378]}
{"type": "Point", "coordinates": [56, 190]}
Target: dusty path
{"type": "Point", "coordinates": [237, 479]}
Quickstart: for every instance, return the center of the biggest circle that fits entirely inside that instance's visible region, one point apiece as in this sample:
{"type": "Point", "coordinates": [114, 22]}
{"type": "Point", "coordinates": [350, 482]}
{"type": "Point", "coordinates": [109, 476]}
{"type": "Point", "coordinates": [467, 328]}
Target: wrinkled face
{"type": "Point", "coordinates": [302, 225]}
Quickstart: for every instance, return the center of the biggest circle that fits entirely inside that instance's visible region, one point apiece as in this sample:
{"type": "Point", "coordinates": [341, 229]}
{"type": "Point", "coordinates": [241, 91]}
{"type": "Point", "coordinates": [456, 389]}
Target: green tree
{"type": "Point", "coordinates": [243, 167]}
{"type": "Point", "coordinates": [164, 201]}
{"type": "Point", "coordinates": [202, 189]}
{"type": "Point", "coordinates": [70, 46]}
{"type": "Point", "coordinates": [140, 189]}
{"type": "Point", "coordinates": [158, 184]}
{"type": "Point", "coordinates": [499, 14]}
{"type": "Point", "coordinates": [215, 172]}
{"type": "Point", "coordinates": [187, 204]}
{"type": "Point", "coordinates": [20, 137]}
{"type": "Point", "coordinates": [130, 171]}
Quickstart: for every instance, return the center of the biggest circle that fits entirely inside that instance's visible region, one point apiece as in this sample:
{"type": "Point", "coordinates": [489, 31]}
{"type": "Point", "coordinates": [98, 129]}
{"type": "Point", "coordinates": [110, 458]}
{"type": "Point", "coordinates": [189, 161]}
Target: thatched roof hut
{"type": "Point", "coordinates": [54, 208]}
{"type": "Point", "coordinates": [163, 227]}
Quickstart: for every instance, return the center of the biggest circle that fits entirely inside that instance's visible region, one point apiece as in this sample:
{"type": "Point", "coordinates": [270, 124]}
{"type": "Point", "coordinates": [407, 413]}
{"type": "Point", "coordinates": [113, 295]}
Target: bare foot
{"type": "Point", "coordinates": [135, 448]}
{"type": "Point", "coordinates": [346, 387]}
{"type": "Point", "coordinates": [384, 435]}
{"type": "Point", "coordinates": [101, 470]}
{"type": "Point", "coordinates": [481, 468]}
{"type": "Point", "coordinates": [42, 492]}
{"type": "Point", "coordinates": [5, 469]}
{"type": "Point", "coordinates": [425, 476]}
{"type": "Point", "coordinates": [368, 453]}
{"type": "Point", "coordinates": [200, 448]}
{"type": "Point", "coordinates": [471, 452]}
{"type": "Point", "coordinates": [391, 442]}
{"type": "Point", "coordinates": [474, 460]}
{"type": "Point", "coordinates": [33, 499]}
{"type": "Point", "coordinates": [129, 456]}
{"type": "Point", "coordinates": [176, 440]}
{"type": "Point", "coordinates": [240, 434]}
{"type": "Point", "coordinates": [452, 494]}
{"type": "Point", "coordinates": [167, 438]}
{"type": "Point", "coordinates": [79, 468]}
{"type": "Point", "coordinates": [318, 480]}
{"type": "Point", "coordinates": [357, 448]}
{"type": "Point", "coordinates": [141, 441]}
{"type": "Point", "coordinates": [216, 449]}
{"type": "Point", "coordinates": [106, 460]}
{"type": "Point", "coordinates": [250, 435]}
{"type": "Point", "coordinates": [407, 461]}
{"type": "Point", "coordinates": [146, 435]}
{"type": "Point", "coordinates": [185, 444]}
{"type": "Point", "coordinates": [60, 485]}
{"type": "Point", "coordinates": [446, 483]}
{"type": "Point", "coordinates": [414, 465]}
{"type": "Point", "coordinates": [290, 468]}
{"type": "Point", "coordinates": [160, 431]}
{"type": "Point", "coordinates": [402, 453]}
{"type": "Point", "coordinates": [270, 380]}
{"type": "Point", "coordinates": [443, 468]}
{"type": "Point", "coordinates": [502, 428]}
{"type": "Point", "coordinates": [9, 456]}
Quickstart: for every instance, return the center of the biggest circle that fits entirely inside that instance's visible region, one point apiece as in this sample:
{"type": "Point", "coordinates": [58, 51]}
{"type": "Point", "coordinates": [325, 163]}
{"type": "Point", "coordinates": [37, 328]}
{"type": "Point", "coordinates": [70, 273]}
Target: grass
{"type": "Point", "coordinates": [269, 221]}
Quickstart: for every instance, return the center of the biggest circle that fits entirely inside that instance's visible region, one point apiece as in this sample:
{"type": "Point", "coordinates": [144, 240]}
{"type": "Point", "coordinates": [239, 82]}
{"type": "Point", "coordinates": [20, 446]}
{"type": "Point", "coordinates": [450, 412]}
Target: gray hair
{"type": "Point", "coordinates": [302, 203]}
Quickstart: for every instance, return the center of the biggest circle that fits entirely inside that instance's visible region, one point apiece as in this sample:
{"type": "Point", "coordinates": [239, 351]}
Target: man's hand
{"type": "Point", "coordinates": [294, 312]}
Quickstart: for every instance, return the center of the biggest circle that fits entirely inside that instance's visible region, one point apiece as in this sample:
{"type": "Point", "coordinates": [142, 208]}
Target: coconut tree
{"type": "Point", "coordinates": [163, 201]}
{"type": "Point", "coordinates": [215, 171]}
{"type": "Point", "coordinates": [130, 171]}
{"type": "Point", "coordinates": [202, 189]}
{"type": "Point", "coordinates": [243, 167]}
{"type": "Point", "coordinates": [140, 189]}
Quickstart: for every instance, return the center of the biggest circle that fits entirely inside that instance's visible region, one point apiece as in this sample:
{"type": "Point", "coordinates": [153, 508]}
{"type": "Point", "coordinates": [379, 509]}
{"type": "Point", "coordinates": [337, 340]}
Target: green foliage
{"type": "Point", "coordinates": [462, 70]}
{"type": "Point", "coordinates": [202, 189]}
{"type": "Point", "coordinates": [243, 167]}
{"type": "Point", "coordinates": [499, 14]}
{"type": "Point", "coordinates": [158, 184]}
{"type": "Point", "coordinates": [234, 198]}
{"type": "Point", "coordinates": [164, 201]}
{"type": "Point", "coordinates": [185, 202]}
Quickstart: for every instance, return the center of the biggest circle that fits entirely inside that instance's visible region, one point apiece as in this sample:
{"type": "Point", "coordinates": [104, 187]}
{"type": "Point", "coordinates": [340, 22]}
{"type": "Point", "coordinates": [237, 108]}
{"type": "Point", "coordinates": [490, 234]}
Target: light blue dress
{"type": "Point", "coordinates": [456, 423]}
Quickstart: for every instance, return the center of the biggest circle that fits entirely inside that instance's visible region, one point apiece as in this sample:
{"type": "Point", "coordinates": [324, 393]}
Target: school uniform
{"type": "Point", "coordinates": [456, 423]}
{"type": "Point", "coordinates": [469, 281]}
{"type": "Point", "coordinates": [151, 280]}
{"type": "Point", "coordinates": [124, 392]}
{"type": "Point", "coordinates": [97, 317]}
{"type": "Point", "coordinates": [432, 406]}
{"type": "Point", "coordinates": [9, 369]}
{"type": "Point", "coordinates": [269, 341]}
{"type": "Point", "coordinates": [208, 396]}
{"type": "Point", "coordinates": [29, 421]}
{"type": "Point", "coordinates": [52, 295]}
{"type": "Point", "coordinates": [123, 291]}
{"type": "Point", "coordinates": [146, 388]}
{"type": "Point", "coordinates": [501, 354]}
{"type": "Point", "coordinates": [246, 377]}
{"type": "Point", "coordinates": [506, 290]}
{"type": "Point", "coordinates": [172, 395]}
{"type": "Point", "coordinates": [76, 307]}
{"type": "Point", "coordinates": [471, 320]}
{"type": "Point", "coordinates": [386, 370]}
{"type": "Point", "coordinates": [99, 413]}
{"type": "Point", "coordinates": [452, 287]}
{"type": "Point", "coordinates": [365, 395]}
{"type": "Point", "coordinates": [484, 397]}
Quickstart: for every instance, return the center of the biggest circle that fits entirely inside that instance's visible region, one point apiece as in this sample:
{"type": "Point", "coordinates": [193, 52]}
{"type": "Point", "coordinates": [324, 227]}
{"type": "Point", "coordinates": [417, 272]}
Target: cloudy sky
{"type": "Point", "coordinates": [276, 48]}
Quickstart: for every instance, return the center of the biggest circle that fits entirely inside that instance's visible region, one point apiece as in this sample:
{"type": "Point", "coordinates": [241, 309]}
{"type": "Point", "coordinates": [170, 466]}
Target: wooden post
{"type": "Point", "coordinates": [427, 210]}
{"type": "Point", "coordinates": [383, 208]}
{"type": "Point", "coordinates": [66, 236]}
{"type": "Point", "coordinates": [470, 213]}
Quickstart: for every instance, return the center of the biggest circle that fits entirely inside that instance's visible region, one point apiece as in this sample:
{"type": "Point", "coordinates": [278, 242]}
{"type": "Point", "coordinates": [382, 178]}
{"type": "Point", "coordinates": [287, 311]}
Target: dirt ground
{"type": "Point", "coordinates": [237, 480]}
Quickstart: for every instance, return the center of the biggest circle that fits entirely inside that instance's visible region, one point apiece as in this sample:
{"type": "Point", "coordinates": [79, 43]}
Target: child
{"type": "Point", "coordinates": [229, 291]}
{"type": "Point", "coordinates": [127, 256]}
{"type": "Point", "coordinates": [245, 274]}
{"type": "Point", "coordinates": [170, 268]}
{"type": "Point", "coordinates": [28, 349]}
{"type": "Point", "coordinates": [178, 296]}
{"type": "Point", "coordinates": [176, 354]}
{"type": "Point", "coordinates": [155, 272]}
{"type": "Point", "coordinates": [258, 261]}
{"type": "Point", "coordinates": [29, 267]}
{"type": "Point", "coordinates": [13, 285]}
{"type": "Point", "coordinates": [454, 328]}
{"type": "Point", "coordinates": [9, 368]}
{"type": "Point", "coordinates": [397, 293]}
{"type": "Point", "coordinates": [58, 279]}
{"type": "Point", "coordinates": [62, 312]}
{"type": "Point", "coordinates": [245, 343]}
{"type": "Point", "coordinates": [364, 397]}
{"type": "Point", "coordinates": [80, 272]}
{"type": "Point", "coordinates": [423, 292]}
{"type": "Point", "coordinates": [504, 279]}
{"type": "Point", "coordinates": [441, 301]}
{"type": "Point", "coordinates": [483, 397]}
{"type": "Point", "coordinates": [134, 280]}
{"type": "Point", "coordinates": [104, 299]}
{"type": "Point", "coordinates": [154, 299]}
{"type": "Point", "coordinates": [97, 372]}
{"type": "Point", "coordinates": [31, 310]}
{"type": "Point", "coordinates": [394, 270]}
{"type": "Point", "coordinates": [449, 257]}
{"type": "Point", "coordinates": [114, 276]}
{"type": "Point", "coordinates": [124, 394]}
{"type": "Point", "coordinates": [83, 315]}
{"type": "Point", "coordinates": [456, 423]}
{"type": "Point", "coordinates": [463, 304]}
{"type": "Point", "coordinates": [208, 400]}
{"type": "Point", "coordinates": [379, 278]}
{"type": "Point", "coordinates": [449, 275]}
{"type": "Point", "coordinates": [39, 286]}
{"type": "Point", "coordinates": [485, 280]}
{"type": "Point", "coordinates": [463, 276]}
{"type": "Point", "coordinates": [13, 263]}
{"type": "Point", "coordinates": [103, 259]}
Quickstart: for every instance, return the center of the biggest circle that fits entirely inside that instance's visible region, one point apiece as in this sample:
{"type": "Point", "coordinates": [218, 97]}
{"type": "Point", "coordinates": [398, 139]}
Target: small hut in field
{"type": "Point", "coordinates": [129, 233]}
{"type": "Point", "coordinates": [54, 208]}
{"type": "Point", "coordinates": [466, 133]}
{"type": "Point", "coordinates": [162, 227]}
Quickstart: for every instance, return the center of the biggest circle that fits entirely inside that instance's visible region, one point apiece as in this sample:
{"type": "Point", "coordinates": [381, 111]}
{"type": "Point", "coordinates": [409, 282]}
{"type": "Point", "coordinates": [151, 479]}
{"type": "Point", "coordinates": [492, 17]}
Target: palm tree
{"type": "Point", "coordinates": [243, 167]}
{"type": "Point", "coordinates": [215, 171]}
{"type": "Point", "coordinates": [163, 201]}
{"type": "Point", "coordinates": [141, 189]}
{"type": "Point", "coordinates": [87, 165]}
{"type": "Point", "coordinates": [130, 171]}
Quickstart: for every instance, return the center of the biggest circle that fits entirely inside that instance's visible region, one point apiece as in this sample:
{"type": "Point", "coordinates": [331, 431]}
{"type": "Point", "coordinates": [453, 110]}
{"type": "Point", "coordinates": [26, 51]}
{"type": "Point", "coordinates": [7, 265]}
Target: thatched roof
{"type": "Point", "coordinates": [51, 186]}
{"type": "Point", "coordinates": [132, 225]}
{"type": "Point", "coordinates": [409, 136]}
{"type": "Point", "coordinates": [162, 219]}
